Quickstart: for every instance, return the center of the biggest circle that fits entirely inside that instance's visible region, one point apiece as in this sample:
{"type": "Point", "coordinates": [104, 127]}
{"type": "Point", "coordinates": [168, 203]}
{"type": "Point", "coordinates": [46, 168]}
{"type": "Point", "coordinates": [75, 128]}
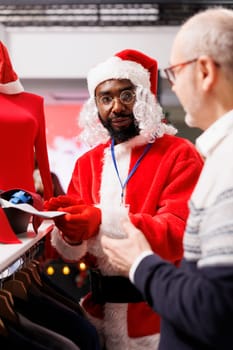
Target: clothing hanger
{"type": "Point", "coordinates": [5, 294]}
{"type": "Point", "coordinates": [19, 283]}
{"type": "Point", "coordinates": [3, 330]}
{"type": "Point", "coordinates": [36, 263]}
{"type": "Point", "coordinates": [6, 310]}
{"type": "Point", "coordinates": [24, 277]}
{"type": "Point", "coordinates": [32, 273]}
{"type": "Point", "coordinates": [49, 289]}
{"type": "Point", "coordinates": [8, 295]}
{"type": "Point", "coordinates": [16, 287]}
{"type": "Point", "coordinates": [35, 266]}
{"type": "Point", "coordinates": [30, 267]}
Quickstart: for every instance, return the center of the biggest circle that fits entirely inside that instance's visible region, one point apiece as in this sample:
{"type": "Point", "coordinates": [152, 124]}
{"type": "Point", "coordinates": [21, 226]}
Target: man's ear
{"type": "Point", "coordinates": [208, 71]}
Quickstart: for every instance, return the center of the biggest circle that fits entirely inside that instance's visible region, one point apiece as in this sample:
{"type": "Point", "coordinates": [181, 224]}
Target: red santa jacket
{"type": "Point", "coordinates": [156, 195]}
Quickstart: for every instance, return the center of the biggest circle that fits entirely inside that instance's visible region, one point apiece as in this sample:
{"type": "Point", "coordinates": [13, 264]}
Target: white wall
{"type": "Point", "coordinates": [70, 53]}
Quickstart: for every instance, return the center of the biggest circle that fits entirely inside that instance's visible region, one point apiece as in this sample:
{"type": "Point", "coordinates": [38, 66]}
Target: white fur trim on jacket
{"type": "Point", "coordinates": [69, 252]}
{"type": "Point", "coordinates": [113, 330]}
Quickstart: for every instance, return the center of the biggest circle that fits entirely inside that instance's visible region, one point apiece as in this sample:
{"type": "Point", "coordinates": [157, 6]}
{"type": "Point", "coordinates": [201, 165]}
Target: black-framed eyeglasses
{"type": "Point", "coordinates": [170, 71]}
{"type": "Point", "coordinates": [126, 97]}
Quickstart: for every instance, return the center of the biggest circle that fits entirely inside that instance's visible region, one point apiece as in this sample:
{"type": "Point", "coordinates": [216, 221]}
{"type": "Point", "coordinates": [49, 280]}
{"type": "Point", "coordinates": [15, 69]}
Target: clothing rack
{"type": "Point", "coordinates": [11, 255]}
{"type": "Point", "coordinates": [32, 309]}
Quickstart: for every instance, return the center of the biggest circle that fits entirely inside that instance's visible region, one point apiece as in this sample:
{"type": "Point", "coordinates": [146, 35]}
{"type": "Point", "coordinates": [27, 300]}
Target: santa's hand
{"type": "Point", "coordinates": [62, 201]}
{"type": "Point", "coordinates": [80, 223]}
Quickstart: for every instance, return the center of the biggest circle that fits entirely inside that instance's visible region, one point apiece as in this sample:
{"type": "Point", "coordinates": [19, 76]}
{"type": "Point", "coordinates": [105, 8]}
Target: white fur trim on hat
{"type": "Point", "coordinates": [116, 68]}
{"type": "Point", "coordinates": [11, 88]}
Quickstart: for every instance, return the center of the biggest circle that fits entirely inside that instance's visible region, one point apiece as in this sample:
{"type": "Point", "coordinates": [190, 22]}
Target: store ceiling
{"type": "Point", "coordinates": [101, 13]}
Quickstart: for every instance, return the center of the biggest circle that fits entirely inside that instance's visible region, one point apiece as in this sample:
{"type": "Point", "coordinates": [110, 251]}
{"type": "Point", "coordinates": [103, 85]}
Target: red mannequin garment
{"type": "Point", "coordinates": [22, 134]}
{"type": "Point", "coordinates": [22, 137]}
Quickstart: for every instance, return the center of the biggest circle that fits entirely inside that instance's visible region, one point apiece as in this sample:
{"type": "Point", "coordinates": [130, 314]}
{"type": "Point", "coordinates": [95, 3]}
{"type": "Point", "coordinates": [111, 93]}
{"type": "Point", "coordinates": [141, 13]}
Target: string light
{"type": "Point", "coordinates": [66, 270]}
{"type": "Point", "coordinates": [50, 270]}
{"type": "Point", "coordinates": [82, 266]}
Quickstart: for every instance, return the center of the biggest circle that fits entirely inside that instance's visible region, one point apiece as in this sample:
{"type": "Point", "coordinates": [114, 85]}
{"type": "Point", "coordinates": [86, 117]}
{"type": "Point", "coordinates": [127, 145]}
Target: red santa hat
{"type": "Point", "coordinates": [9, 82]}
{"type": "Point", "coordinates": [140, 69]}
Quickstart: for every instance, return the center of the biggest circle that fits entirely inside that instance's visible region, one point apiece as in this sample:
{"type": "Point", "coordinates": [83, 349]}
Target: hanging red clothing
{"type": "Point", "coordinates": [23, 137]}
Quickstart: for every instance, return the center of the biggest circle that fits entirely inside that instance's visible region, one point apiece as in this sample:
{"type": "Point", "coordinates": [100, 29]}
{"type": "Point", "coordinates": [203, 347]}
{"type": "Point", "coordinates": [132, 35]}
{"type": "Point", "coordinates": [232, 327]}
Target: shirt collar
{"type": "Point", "coordinates": [209, 139]}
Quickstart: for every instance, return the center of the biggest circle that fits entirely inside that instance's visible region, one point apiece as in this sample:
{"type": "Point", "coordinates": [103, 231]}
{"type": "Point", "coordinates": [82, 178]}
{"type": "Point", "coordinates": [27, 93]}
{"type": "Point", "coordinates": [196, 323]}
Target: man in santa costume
{"type": "Point", "coordinates": [137, 168]}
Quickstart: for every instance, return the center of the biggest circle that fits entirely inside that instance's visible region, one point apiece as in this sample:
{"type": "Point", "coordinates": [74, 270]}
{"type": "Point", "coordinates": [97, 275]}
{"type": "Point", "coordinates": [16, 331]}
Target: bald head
{"type": "Point", "coordinates": [208, 33]}
{"type": "Point", "coordinates": [202, 54]}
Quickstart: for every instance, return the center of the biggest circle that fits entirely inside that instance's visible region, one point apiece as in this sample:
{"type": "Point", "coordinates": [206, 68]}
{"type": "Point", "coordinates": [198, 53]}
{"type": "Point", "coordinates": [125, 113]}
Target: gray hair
{"type": "Point", "coordinates": [210, 32]}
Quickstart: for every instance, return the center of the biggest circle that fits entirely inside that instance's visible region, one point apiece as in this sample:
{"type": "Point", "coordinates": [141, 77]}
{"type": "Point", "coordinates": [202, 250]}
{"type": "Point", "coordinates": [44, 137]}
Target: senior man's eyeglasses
{"type": "Point", "coordinates": [170, 71]}
{"type": "Point", "coordinates": [126, 97]}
